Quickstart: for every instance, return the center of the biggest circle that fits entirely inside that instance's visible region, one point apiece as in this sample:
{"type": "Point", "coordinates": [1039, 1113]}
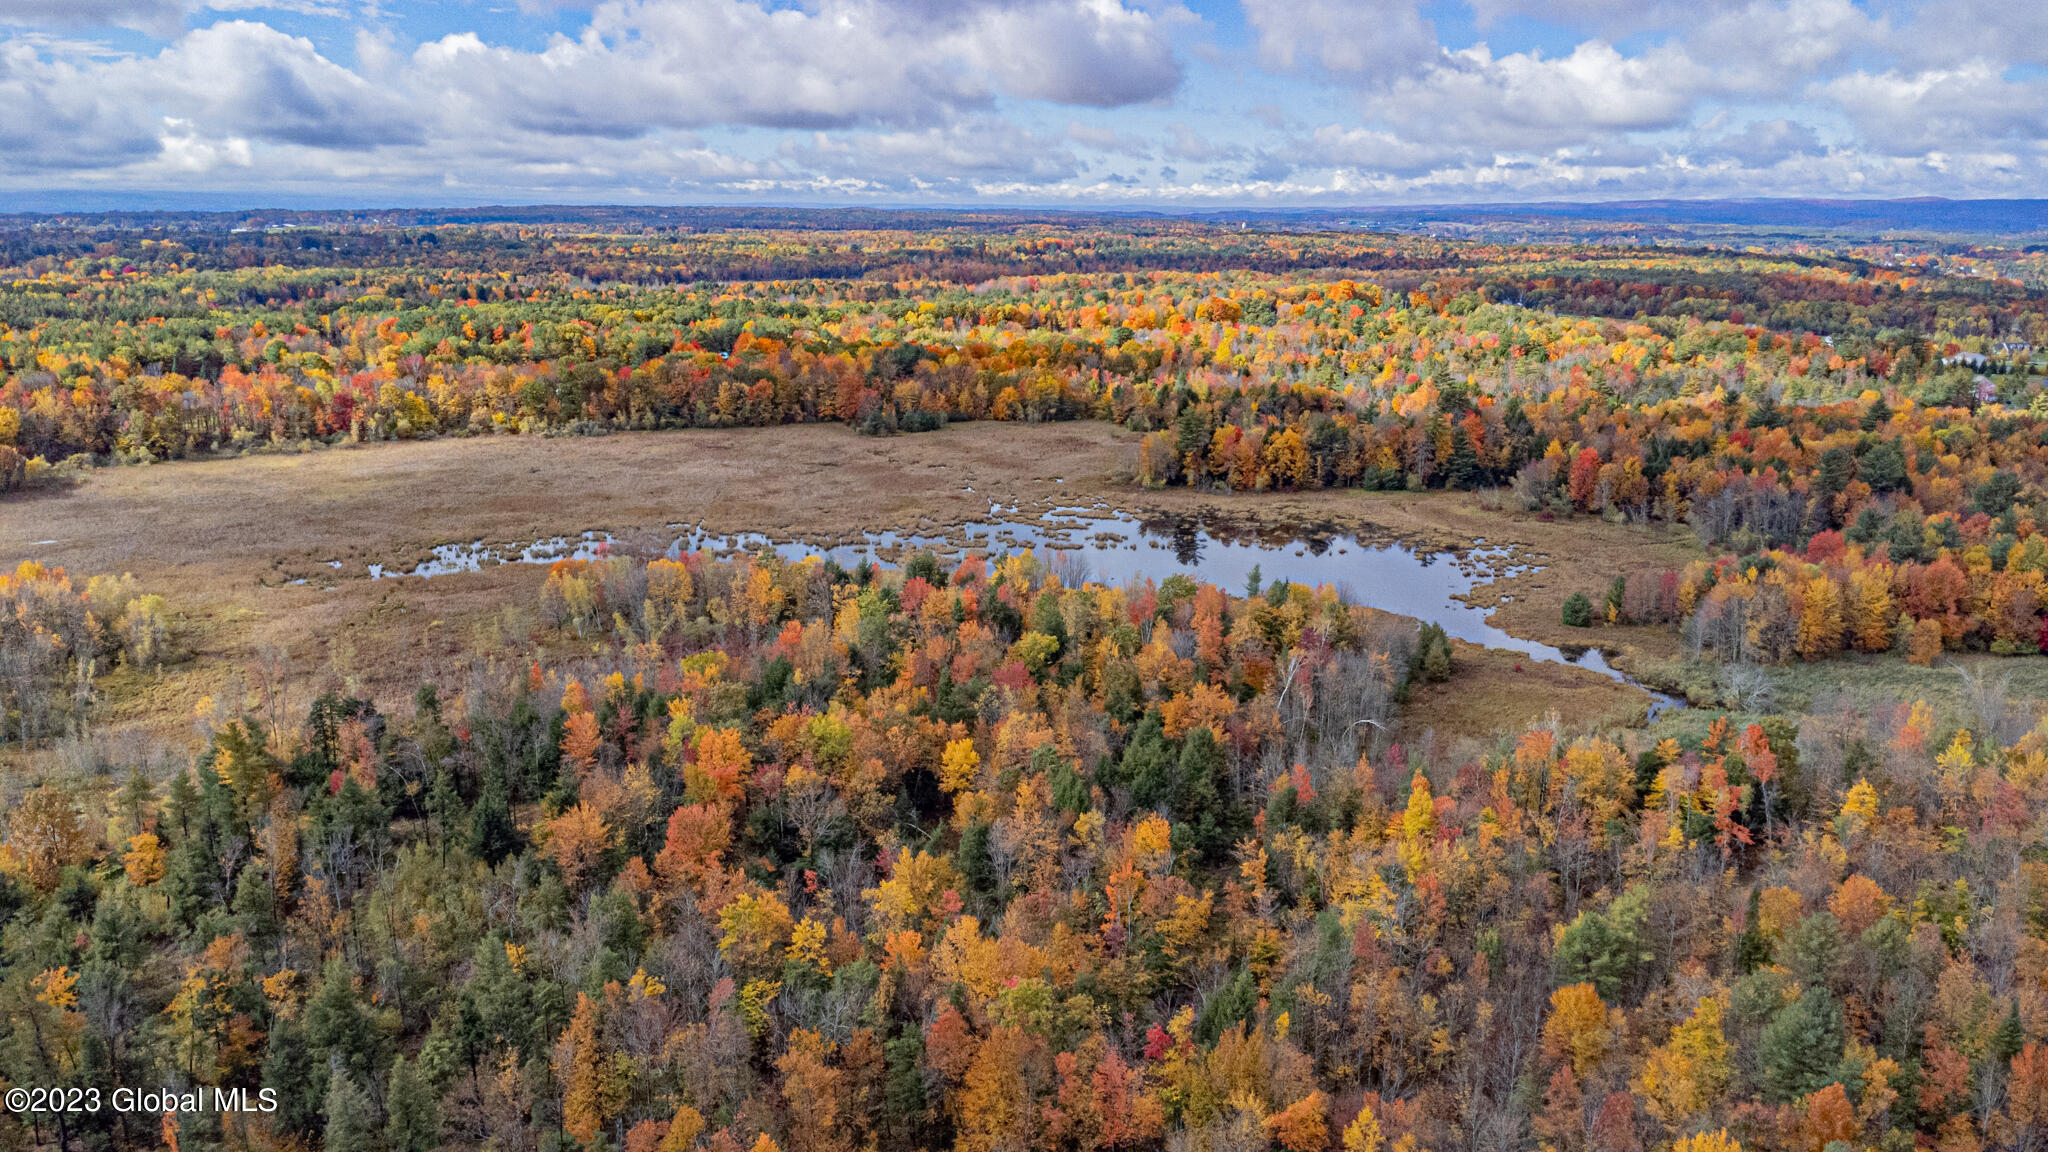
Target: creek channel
{"type": "Point", "coordinates": [1111, 546]}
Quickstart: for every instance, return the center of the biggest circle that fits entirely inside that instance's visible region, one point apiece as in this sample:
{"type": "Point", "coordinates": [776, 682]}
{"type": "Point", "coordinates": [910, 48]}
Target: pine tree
{"type": "Point", "coordinates": [1231, 1005]}
{"type": "Point", "coordinates": [903, 1099]}
{"type": "Point", "coordinates": [1802, 1045]}
{"type": "Point", "coordinates": [492, 835]}
{"type": "Point", "coordinates": [1200, 803]}
{"type": "Point", "coordinates": [339, 1027]}
{"type": "Point", "coordinates": [1148, 764]}
{"type": "Point", "coordinates": [1752, 948]}
{"type": "Point", "coordinates": [444, 805]}
{"type": "Point", "coordinates": [290, 1073]}
{"type": "Point", "coordinates": [256, 904]}
{"type": "Point", "coordinates": [351, 1117]}
{"type": "Point", "coordinates": [413, 1116]}
{"type": "Point", "coordinates": [2010, 1037]}
{"type": "Point", "coordinates": [1578, 611]}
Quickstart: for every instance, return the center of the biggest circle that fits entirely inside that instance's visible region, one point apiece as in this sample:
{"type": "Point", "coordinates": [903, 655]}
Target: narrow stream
{"type": "Point", "coordinates": [1103, 544]}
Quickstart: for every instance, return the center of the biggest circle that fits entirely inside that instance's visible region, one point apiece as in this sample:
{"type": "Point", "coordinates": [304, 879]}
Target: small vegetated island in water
{"type": "Point", "coordinates": [992, 841]}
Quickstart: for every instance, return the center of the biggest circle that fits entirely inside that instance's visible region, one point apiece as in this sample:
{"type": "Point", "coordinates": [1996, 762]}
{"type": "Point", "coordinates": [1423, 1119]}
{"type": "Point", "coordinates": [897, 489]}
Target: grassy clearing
{"type": "Point", "coordinates": [1494, 693]}
{"type": "Point", "coordinates": [226, 540]}
{"type": "Point", "coordinates": [1955, 688]}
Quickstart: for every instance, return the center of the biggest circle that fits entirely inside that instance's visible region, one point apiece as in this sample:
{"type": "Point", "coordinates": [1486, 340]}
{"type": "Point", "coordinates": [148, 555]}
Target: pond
{"type": "Point", "coordinates": [1104, 544]}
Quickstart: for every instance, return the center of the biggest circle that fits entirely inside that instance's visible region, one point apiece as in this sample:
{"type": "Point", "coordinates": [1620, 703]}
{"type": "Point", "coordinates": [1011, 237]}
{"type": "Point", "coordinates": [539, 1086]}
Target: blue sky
{"type": "Point", "coordinates": [1109, 103]}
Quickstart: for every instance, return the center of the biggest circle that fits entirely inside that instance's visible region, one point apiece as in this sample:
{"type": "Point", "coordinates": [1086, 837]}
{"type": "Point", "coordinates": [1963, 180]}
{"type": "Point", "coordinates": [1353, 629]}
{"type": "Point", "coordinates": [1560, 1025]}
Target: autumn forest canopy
{"type": "Point", "coordinates": [753, 853]}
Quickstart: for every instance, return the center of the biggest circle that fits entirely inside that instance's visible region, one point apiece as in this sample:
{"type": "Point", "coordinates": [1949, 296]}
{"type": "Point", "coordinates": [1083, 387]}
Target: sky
{"type": "Point", "coordinates": [1091, 103]}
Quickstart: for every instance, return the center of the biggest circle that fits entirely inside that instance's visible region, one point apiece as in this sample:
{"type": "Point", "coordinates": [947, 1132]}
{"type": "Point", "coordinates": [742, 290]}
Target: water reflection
{"type": "Point", "coordinates": [1116, 547]}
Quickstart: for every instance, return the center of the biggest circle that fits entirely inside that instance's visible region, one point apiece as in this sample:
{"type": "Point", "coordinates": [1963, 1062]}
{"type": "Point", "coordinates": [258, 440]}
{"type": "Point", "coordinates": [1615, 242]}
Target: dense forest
{"type": "Point", "coordinates": [808, 859]}
{"type": "Point", "coordinates": [742, 854]}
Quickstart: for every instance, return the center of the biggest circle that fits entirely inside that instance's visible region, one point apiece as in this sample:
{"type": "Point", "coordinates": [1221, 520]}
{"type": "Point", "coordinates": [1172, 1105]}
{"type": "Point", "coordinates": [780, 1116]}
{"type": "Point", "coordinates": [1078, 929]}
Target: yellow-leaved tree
{"type": "Point", "coordinates": [1685, 1076]}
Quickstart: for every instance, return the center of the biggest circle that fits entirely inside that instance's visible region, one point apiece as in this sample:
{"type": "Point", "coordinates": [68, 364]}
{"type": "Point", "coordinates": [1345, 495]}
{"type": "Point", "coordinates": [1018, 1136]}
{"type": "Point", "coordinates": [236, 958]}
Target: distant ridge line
{"type": "Point", "coordinates": [1925, 213]}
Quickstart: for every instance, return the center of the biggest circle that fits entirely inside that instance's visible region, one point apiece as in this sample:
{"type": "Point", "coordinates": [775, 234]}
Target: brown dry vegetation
{"type": "Point", "coordinates": [1494, 693]}
{"type": "Point", "coordinates": [226, 538]}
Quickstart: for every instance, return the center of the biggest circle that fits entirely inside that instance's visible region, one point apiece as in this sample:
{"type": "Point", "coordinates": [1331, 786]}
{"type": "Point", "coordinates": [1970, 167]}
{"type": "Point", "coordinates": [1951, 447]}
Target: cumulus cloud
{"type": "Point", "coordinates": [58, 116]}
{"type": "Point", "coordinates": [250, 80]}
{"type": "Point", "coordinates": [636, 70]}
{"type": "Point", "coordinates": [1762, 143]}
{"type": "Point", "coordinates": [209, 94]}
{"type": "Point", "coordinates": [1940, 110]}
{"type": "Point", "coordinates": [646, 64]}
{"type": "Point", "coordinates": [1527, 101]}
{"type": "Point", "coordinates": [1095, 52]}
{"type": "Point", "coordinates": [1359, 39]}
{"type": "Point", "coordinates": [1033, 100]}
{"type": "Point", "coordinates": [1376, 151]}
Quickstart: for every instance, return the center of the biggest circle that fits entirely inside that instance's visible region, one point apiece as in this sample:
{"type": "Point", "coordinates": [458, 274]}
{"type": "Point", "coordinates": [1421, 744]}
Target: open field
{"type": "Point", "coordinates": [225, 540]}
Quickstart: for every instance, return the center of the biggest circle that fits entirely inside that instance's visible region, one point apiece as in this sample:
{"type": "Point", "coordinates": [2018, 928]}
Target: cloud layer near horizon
{"type": "Point", "coordinates": [1106, 102]}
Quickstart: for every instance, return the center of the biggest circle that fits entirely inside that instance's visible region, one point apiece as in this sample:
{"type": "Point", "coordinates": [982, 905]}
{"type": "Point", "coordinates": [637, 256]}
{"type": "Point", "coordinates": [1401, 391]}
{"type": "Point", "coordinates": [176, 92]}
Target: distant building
{"type": "Point", "coordinates": [1987, 392]}
{"type": "Point", "coordinates": [2012, 347]}
{"type": "Point", "coordinates": [1968, 359]}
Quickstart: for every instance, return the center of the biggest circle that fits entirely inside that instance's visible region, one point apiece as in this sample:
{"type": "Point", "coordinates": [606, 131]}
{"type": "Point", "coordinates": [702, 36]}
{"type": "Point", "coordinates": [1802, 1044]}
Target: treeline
{"type": "Point", "coordinates": [1443, 384]}
{"type": "Point", "coordinates": [813, 860]}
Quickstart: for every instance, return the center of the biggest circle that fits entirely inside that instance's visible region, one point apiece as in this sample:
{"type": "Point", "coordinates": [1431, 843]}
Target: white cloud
{"type": "Point", "coordinates": [1941, 110]}
{"type": "Point", "coordinates": [1105, 139]}
{"type": "Point", "coordinates": [186, 151]}
{"type": "Point", "coordinates": [1762, 143]}
{"type": "Point", "coordinates": [1326, 100]}
{"type": "Point", "coordinates": [156, 17]}
{"type": "Point", "coordinates": [932, 159]}
{"type": "Point", "coordinates": [1375, 151]}
{"type": "Point", "coordinates": [1525, 101]}
{"type": "Point", "coordinates": [57, 115]}
{"type": "Point", "coordinates": [249, 79]}
{"type": "Point", "coordinates": [647, 64]}
{"type": "Point", "coordinates": [1360, 39]}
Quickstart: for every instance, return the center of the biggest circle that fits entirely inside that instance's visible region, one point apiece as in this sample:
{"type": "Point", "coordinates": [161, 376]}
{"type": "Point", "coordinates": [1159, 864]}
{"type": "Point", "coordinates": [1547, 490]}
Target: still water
{"type": "Point", "coordinates": [1103, 544]}
{"type": "Point", "coordinates": [1112, 547]}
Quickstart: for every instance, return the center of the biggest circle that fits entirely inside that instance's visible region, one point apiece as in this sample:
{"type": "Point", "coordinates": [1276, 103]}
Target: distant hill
{"type": "Point", "coordinates": [1658, 219]}
{"type": "Point", "coordinates": [1925, 214]}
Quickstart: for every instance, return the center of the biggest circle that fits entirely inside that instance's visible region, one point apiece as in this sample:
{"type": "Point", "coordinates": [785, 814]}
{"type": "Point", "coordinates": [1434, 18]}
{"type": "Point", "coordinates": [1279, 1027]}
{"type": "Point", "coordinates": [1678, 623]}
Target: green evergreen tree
{"type": "Point", "coordinates": [1837, 469]}
{"type": "Point", "coordinates": [1813, 947]}
{"type": "Point", "coordinates": [2010, 1037]}
{"type": "Point", "coordinates": [1463, 470]}
{"type": "Point", "coordinates": [1609, 947]}
{"type": "Point", "coordinates": [1578, 611]}
{"type": "Point", "coordinates": [256, 905]}
{"type": "Point", "coordinates": [444, 806]}
{"type": "Point", "coordinates": [1230, 1005]}
{"type": "Point", "coordinates": [1883, 468]}
{"type": "Point", "coordinates": [1149, 766]}
{"type": "Point", "coordinates": [291, 1074]}
{"type": "Point", "coordinates": [903, 1099]}
{"type": "Point", "coordinates": [339, 1026]}
{"type": "Point", "coordinates": [351, 1116]}
{"type": "Point", "coordinates": [1203, 810]}
{"type": "Point", "coordinates": [492, 834]}
{"type": "Point", "coordinates": [1801, 1046]}
{"type": "Point", "coordinates": [412, 1114]}
{"type": "Point", "coordinates": [1752, 948]}
{"type": "Point", "coordinates": [137, 798]}
{"type": "Point", "coordinates": [973, 861]}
